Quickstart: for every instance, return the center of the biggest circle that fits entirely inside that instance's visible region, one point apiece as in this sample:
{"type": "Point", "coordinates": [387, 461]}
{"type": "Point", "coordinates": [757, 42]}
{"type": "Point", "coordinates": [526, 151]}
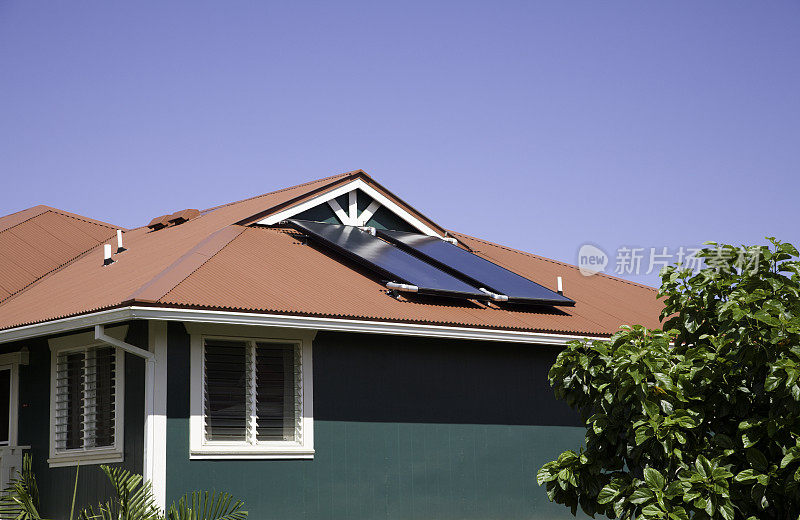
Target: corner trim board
{"type": "Point", "coordinates": [155, 456]}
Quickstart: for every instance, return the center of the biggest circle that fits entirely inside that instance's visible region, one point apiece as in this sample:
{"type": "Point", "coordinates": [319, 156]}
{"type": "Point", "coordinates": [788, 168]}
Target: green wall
{"type": "Point", "coordinates": [404, 429]}
{"type": "Point", "coordinates": [56, 484]}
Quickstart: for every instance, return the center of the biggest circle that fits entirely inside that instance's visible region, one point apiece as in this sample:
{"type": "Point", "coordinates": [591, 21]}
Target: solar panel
{"type": "Point", "coordinates": [478, 270]}
{"type": "Point", "coordinates": [386, 259]}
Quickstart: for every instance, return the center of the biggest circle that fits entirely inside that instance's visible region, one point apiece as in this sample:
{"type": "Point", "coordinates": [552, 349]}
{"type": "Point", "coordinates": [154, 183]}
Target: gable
{"type": "Point", "coordinates": [369, 212]}
{"type": "Point", "coordinates": [356, 203]}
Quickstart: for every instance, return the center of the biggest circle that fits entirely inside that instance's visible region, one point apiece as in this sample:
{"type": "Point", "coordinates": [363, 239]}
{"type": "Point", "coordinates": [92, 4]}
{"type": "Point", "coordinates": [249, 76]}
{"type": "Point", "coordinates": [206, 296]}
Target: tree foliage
{"type": "Point", "coordinates": [700, 420]}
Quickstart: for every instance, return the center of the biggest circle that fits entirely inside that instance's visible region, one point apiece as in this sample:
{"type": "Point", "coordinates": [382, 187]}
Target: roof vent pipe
{"type": "Point", "coordinates": [119, 242]}
{"type": "Point", "coordinates": [107, 254]}
{"type": "Point", "coordinates": [560, 285]}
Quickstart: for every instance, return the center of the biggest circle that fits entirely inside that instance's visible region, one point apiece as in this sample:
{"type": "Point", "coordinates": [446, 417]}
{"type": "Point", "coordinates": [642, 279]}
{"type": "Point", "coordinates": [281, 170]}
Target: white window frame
{"type": "Point", "coordinates": [199, 447]}
{"type": "Point", "coordinates": [11, 362]}
{"type": "Point", "coordinates": [84, 456]}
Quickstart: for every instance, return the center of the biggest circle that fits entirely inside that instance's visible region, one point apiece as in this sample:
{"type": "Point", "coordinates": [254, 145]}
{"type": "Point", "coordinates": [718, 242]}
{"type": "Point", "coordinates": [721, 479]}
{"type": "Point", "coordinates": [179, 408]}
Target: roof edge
{"type": "Point", "coordinates": [129, 311]}
{"type": "Point", "coordinates": [330, 177]}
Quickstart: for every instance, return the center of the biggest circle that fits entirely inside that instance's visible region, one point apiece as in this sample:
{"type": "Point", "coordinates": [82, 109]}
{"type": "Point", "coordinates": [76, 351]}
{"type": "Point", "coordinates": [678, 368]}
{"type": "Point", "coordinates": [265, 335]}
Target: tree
{"type": "Point", "coordinates": [701, 419]}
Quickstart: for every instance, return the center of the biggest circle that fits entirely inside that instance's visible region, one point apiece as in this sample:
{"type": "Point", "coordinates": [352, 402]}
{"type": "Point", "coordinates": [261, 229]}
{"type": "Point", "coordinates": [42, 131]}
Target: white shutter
{"type": "Point", "coordinates": [99, 410]}
{"type": "Point", "coordinates": [85, 414]}
{"type": "Point", "coordinates": [278, 392]}
{"type": "Point", "coordinates": [69, 400]}
{"type": "Point", "coordinates": [225, 388]}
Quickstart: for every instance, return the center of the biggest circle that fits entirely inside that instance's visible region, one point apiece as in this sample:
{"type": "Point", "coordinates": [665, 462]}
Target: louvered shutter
{"type": "Point", "coordinates": [278, 394]}
{"type": "Point", "coordinates": [69, 400]}
{"type": "Point", "coordinates": [85, 398]}
{"type": "Point", "coordinates": [226, 390]}
{"type": "Point", "coordinates": [100, 397]}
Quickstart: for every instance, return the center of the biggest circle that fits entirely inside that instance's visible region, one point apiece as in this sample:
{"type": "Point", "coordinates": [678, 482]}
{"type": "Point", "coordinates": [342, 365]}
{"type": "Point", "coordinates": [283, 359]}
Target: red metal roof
{"type": "Point", "coordinates": [215, 262]}
{"type": "Point", "coordinates": [38, 240]}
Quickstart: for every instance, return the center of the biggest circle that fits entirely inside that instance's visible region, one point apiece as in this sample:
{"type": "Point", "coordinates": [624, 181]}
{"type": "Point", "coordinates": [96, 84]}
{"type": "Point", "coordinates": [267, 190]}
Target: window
{"type": "Point", "coordinates": [86, 405]}
{"type": "Point", "coordinates": [251, 398]}
{"type": "Point", "coordinates": [5, 406]}
{"type": "Point", "coordinates": [9, 395]}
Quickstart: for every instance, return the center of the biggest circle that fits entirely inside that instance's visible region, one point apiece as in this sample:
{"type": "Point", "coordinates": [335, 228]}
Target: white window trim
{"type": "Point", "coordinates": [198, 447]}
{"type": "Point", "coordinates": [11, 362]}
{"type": "Point", "coordinates": [83, 456]}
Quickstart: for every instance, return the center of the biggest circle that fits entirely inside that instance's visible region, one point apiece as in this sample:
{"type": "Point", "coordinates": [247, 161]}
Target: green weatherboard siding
{"type": "Point", "coordinates": [404, 429]}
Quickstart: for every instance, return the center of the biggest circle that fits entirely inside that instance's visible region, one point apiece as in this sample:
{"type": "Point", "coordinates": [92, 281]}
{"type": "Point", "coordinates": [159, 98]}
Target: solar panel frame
{"type": "Point", "coordinates": [477, 270]}
{"type": "Point", "coordinates": [387, 260]}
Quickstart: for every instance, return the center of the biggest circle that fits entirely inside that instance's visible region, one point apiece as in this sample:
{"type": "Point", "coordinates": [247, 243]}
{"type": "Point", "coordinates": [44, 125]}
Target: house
{"type": "Point", "coordinates": [312, 351]}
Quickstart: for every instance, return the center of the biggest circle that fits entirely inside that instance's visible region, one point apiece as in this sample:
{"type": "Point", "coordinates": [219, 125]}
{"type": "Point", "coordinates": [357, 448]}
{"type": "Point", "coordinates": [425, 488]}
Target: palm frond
{"type": "Point", "coordinates": [133, 500]}
{"type": "Point", "coordinates": [20, 500]}
{"type": "Point", "coordinates": [208, 505]}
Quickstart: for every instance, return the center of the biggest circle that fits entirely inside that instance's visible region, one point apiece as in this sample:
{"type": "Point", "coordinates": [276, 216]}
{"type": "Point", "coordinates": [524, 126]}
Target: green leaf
{"type": "Point", "coordinates": [726, 510]}
{"type": "Point", "coordinates": [641, 495]}
{"type": "Point", "coordinates": [757, 460]}
{"type": "Point", "coordinates": [772, 381]}
{"type": "Point", "coordinates": [606, 495]}
{"type": "Point", "coordinates": [654, 478]}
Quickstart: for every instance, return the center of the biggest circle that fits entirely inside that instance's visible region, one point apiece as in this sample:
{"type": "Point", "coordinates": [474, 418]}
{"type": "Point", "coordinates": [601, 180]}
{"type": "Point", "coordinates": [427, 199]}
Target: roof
{"type": "Point", "coordinates": [219, 261]}
{"type": "Point", "coordinates": [39, 240]}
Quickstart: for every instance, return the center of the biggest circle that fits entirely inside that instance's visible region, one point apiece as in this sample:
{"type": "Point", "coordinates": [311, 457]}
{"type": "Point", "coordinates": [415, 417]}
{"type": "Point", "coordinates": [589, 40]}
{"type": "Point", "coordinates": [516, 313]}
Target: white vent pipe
{"type": "Point", "coordinates": [119, 242]}
{"type": "Point", "coordinates": [107, 254]}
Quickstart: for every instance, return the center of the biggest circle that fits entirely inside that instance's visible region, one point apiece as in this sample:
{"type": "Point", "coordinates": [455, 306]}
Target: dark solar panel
{"type": "Point", "coordinates": [478, 270]}
{"type": "Point", "coordinates": [387, 260]}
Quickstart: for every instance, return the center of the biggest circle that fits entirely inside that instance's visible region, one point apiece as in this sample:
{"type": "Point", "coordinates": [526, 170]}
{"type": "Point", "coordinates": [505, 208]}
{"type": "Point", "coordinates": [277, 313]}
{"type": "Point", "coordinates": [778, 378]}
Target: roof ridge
{"type": "Point", "coordinates": [89, 220]}
{"type": "Point", "coordinates": [33, 214]}
{"type": "Point", "coordinates": [564, 264]}
{"type": "Point", "coordinates": [51, 271]}
{"type": "Point", "coordinates": [329, 178]}
{"type": "Point", "coordinates": [170, 277]}
{"type": "Point", "coordinates": [43, 208]}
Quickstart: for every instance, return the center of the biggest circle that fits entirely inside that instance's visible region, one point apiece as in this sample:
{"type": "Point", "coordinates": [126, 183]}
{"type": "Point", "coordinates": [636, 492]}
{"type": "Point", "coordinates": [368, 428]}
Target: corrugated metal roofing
{"type": "Point", "coordinates": [213, 262]}
{"type": "Point", "coordinates": [38, 240]}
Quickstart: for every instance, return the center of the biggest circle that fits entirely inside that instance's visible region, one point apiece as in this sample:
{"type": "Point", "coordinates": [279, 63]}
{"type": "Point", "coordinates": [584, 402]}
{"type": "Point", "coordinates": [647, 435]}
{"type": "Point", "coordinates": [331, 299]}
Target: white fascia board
{"type": "Point", "coordinates": [347, 188]}
{"type": "Point", "coordinates": [278, 320]}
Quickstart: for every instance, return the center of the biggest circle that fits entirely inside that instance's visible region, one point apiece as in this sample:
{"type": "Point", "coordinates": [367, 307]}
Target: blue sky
{"type": "Point", "coordinates": [540, 125]}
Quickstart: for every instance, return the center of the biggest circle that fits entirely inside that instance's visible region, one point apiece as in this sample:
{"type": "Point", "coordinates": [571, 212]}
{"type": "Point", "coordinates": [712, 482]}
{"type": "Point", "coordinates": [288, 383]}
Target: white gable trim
{"type": "Point", "coordinates": [357, 184]}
